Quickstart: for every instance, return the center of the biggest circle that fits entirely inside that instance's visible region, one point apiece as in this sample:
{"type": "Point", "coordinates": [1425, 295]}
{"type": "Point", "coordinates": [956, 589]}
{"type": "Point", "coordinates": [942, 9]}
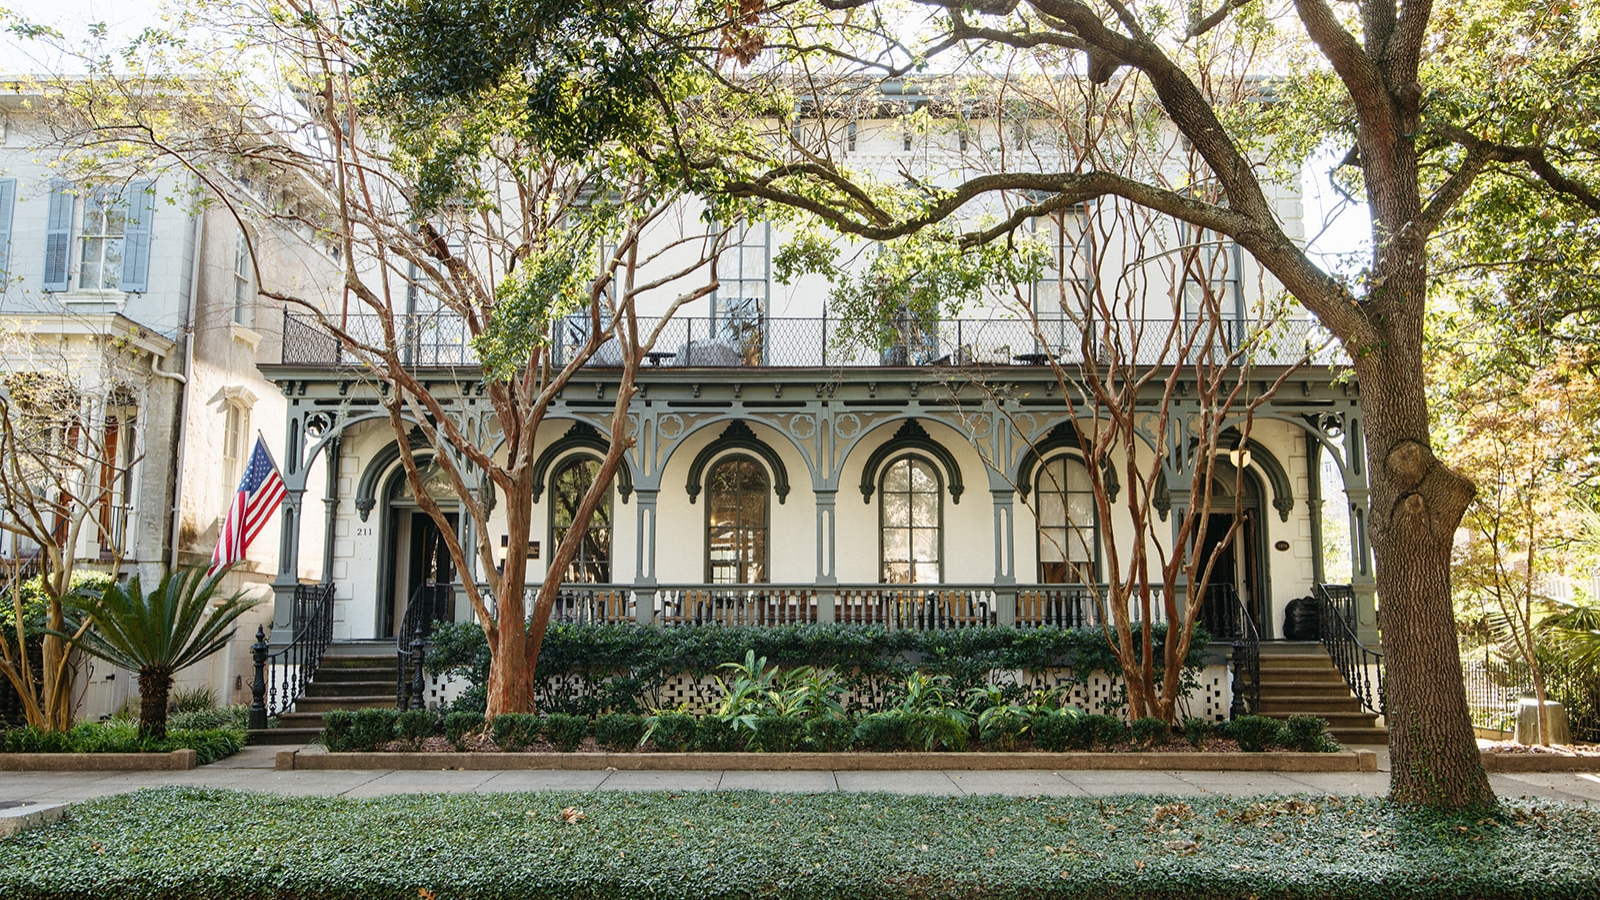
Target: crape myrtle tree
{"type": "Point", "coordinates": [521, 221]}
{"type": "Point", "coordinates": [1419, 137]}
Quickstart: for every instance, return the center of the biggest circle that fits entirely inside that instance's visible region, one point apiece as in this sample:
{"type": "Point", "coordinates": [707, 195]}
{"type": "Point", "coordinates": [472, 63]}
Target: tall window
{"type": "Point", "coordinates": [740, 305]}
{"type": "Point", "coordinates": [116, 472]}
{"type": "Point", "coordinates": [1212, 266]}
{"type": "Point", "coordinates": [592, 563]}
{"type": "Point", "coordinates": [242, 272]}
{"type": "Point", "coordinates": [1063, 286]}
{"type": "Point", "coordinates": [235, 426]}
{"type": "Point", "coordinates": [100, 262]}
{"type": "Point", "coordinates": [910, 518]}
{"type": "Point", "coordinates": [1069, 530]}
{"type": "Point", "coordinates": [736, 522]}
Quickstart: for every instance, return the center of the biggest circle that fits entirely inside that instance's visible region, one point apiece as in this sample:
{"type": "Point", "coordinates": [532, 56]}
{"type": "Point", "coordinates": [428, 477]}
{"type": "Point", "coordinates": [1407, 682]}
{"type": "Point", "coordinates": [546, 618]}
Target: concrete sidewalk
{"type": "Point", "coordinates": [252, 770]}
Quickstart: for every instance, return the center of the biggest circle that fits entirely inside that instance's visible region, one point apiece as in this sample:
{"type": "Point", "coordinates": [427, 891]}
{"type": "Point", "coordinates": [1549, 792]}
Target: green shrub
{"type": "Point", "coordinates": [672, 732]}
{"type": "Point", "coordinates": [938, 730]}
{"type": "Point", "coordinates": [1058, 730]}
{"type": "Point", "coordinates": [565, 732]}
{"type": "Point", "coordinates": [191, 700]}
{"type": "Point", "coordinates": [122, 736]}
{"type": "Point", "coordinates": [208, 744]}
{"type": "Point", "coordinates": [1106, 730]}
{"type": "Point", "coordinates": [338, 730]}
{"type": "Point", "coordinates": [882, 732]}
{"type": "Point", "coordinates": [777, 734]}
{"type": "Point", "coordinates": [28, 739]}
{"type": "Point", "coordinates": [1148, 732]}
{"type": "Point", "coordinates": [458, 725]}
{"type": "Point", "coordinates": [1253, 733]}
{"type": "Point", "coordinates": [714, 734]}
{"type": "Point", "coordinates": [619, 732]}
{"type": "Point", "coordinates": [373, 728]}
{"type": "Point", "coordinates": [416, 725]}
{"type": "Point", "coordinates": [1307, 734]}
{"type": "Point", "coordinates": [236, 716]}
{"type": "Point", "coordinates": [1195, 731]}
{"type": "Point", "coordinates": [516, 732]}
{"type": "Point", "coordinates": [830, 734]}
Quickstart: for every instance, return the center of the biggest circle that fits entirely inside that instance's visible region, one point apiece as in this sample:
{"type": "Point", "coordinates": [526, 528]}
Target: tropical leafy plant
{"type": "Point", "coordinates": [159, 633]}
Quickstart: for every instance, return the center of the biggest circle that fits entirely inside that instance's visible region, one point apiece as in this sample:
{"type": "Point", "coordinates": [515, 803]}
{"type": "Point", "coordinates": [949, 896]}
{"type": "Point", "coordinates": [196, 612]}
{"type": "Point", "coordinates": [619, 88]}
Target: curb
{"type": "Point", "coordinates": [177, 760]}
{"type": "Point", "coordinates": [321, 760]}
{"type": "Point", "coordinates": [29, 815]}
{"type": "Point", "coordinates": [1539, 762]}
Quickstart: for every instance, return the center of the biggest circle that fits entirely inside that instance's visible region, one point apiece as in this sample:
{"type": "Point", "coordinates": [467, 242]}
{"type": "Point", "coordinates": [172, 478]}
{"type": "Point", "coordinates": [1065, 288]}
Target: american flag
{"type": "Point", "coordinates": [259, 495]}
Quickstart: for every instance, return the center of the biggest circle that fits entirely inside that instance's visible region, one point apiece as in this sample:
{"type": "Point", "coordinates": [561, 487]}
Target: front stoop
{"type": "Point", "coordinates": [352, 675]}
{"type": "Point", "coordinates": [1298, 678]}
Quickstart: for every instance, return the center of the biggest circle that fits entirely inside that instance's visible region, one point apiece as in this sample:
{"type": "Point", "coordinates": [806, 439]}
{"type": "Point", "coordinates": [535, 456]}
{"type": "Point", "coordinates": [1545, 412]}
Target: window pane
{"type": "Point", "coordinates": [925, 510]}
{"type": "Point", "coordinates": [922, 477]}
{"type": "Point", "coordinates": [898, 477]}
{"type": "Point", "coordinates": [896, 544]}
{"type": "Point", "coordinates": [896, 510]}
{"type": "Point", "coordinates": [925, 545]}
{"type": "Point", "coordinates": [1052, 544]}
{"type": "Point", "coordinates": [896, 573]}
{"type": "Point", "coordinates": [926, 573]}
{"type": "Point", "coordinates": [1052, 509]}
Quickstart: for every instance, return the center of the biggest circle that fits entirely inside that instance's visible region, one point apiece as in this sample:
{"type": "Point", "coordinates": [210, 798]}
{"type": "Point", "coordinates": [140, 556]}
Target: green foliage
{"type": "Point", "coordinates": [882, 732]}
{"type": "Point", "coordinates": [1001, 722]}
{"type": "Point", "coordinates": [565, 732]}
{"type": "Point", "coordinates": [777, 734]}
{"type": "Point", "coordinates": [199, 699]}
{"type": "Point", "coordinates": [235, 716]}
{"type": "Point", "coordinates": [549, 284]}
{"type": "Point", "coordinates": [828, 734]}
{"type": "Point", "coordinates": [1148, 732]}
{"type": "Point", "coordinates": [798, 847]}
{"type": "Point", "coordinates": [1104, 730]}
{"type": "Point", "coordinates": [36, 604]}
{"type": "Point", "coordinates": [338, 730]}
{"type": "Point", "coordinates": [714, 734]}
{"type": "Point", "coordinates": [1307, 734]}
{"type": "Point", "coordinates": [672, 732]}
{"type": "Point", "coordinates": [516, 732]}
{"type": "Point", "coordinates": [1254, 734]}
{"type": "Point", "coordinates": [1060, 730]}
{"type": "Point", "coordinates": [619, 732]}
{"type": "Point", "coordinates": [371, 729]}
{"type": "Point", "coordinates": [123, 736]}
{"type": "Point", "coordinates": [1196, 730]}
{"type": "Point", "coordinates": [458, 726]}
{"type": "Point", "coordinates": [415, 725]}
{"type": "Point", "coordinates": [590, 670]}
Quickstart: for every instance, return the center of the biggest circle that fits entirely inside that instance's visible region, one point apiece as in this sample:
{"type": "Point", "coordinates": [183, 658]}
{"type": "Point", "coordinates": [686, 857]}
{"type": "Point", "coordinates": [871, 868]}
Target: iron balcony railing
{"type": "Point", "coordinates": [442, 341]}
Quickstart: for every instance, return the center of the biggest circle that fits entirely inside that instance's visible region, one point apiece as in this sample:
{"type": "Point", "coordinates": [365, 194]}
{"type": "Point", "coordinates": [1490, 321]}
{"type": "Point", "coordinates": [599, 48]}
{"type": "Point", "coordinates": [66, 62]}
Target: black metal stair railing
{"type": "Point", "coordinates": [281, 677]}
{"type": "Point", "coordinates": [1361, 666]}
{"type": "Point", "coordinates": [429, 604]}
{"type": "Point", "coordinates": [1223, 613]}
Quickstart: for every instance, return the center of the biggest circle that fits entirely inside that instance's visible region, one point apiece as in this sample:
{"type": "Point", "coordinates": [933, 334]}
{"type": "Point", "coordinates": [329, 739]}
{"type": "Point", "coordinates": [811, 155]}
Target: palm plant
{"type": "Point", "coordinates": [158, 634]}
{"type": "Point", "coordinates": [1575, 631]}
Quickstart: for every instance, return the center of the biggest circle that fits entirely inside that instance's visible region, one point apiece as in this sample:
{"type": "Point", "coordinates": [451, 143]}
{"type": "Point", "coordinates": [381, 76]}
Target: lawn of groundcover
{"type": "Point", "coordinates": [213, 844]}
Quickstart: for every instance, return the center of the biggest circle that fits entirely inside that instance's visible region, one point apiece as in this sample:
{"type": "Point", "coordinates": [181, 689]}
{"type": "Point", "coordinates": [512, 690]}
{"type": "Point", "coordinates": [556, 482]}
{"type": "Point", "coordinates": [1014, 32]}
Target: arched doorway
{"type": "Point", "coordinates": [1235, 496]}
{"type": "Point", "coordinates": [416, 560]}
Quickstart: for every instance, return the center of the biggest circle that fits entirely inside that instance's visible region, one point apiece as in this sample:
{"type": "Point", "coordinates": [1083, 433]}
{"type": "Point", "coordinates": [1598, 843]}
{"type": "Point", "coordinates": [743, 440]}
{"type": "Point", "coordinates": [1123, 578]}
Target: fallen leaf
{"type": "Point", "coordinates": [571, 815]}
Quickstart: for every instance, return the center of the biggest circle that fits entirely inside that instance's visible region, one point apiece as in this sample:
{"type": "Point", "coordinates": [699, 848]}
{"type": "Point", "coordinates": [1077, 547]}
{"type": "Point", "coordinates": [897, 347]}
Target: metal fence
{"type": "Point", "coordinates": [442, 340]}
{"type": "Point", "coordinates": [1494, 687]}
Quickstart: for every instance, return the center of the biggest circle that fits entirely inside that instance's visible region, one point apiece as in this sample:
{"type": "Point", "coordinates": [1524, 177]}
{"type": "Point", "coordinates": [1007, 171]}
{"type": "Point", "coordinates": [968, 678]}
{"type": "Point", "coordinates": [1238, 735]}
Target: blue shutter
{"type": "Point", "coordinates": [58, 236]}
{"type": "Point", "coordinates": [136, 238]}
{"type": "Point", "coordinates": [8, 199]}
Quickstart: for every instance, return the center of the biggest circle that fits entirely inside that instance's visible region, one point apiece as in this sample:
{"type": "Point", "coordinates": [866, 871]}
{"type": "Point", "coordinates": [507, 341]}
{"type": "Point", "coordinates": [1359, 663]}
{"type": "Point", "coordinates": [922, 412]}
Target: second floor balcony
{"type": "Point", "coordinates": [442, 341]}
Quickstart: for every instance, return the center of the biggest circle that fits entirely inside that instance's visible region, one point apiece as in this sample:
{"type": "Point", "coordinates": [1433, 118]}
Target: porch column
{"type": "Point", "coordinates": [827, 575]}
{"type": "Point", "coordinates": [644, 569]}
{"type": "Point", "coordinates": [1314, 505]}
{"type": "Point", "coordinates": [330, 508]}
{"type": "Point", "coordinates": [1363, 582]}
{"type": "Point", "coordinates": [288, 578]}
{"type": "Point", "coordinates": [1005, 556]}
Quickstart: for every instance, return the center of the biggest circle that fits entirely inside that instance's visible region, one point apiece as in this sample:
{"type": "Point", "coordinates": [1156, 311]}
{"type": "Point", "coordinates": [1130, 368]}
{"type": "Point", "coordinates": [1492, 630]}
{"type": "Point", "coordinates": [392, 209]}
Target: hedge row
{"type": "Point", "coordinates": [588, 670]}
{"type": "Point", "coordinates": [183, 843]}
{"type": "Point", "coordinates": [122, 736]}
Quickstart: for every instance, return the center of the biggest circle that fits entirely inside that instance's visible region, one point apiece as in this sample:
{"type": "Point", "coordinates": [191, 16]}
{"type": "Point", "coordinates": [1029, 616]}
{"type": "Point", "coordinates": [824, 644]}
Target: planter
{"type": "Point", "coordinates": [97, 762]}
{"type": "Point", "coordinates": [1539, 762]}
{"type": "Point", "coordinates": [1343, 761]}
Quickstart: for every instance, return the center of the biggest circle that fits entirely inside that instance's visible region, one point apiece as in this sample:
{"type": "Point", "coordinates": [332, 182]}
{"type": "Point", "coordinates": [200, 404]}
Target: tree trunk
{"type": "Point", "coordinates": [1417, 502]}
{"type": "Point", "coordinates": [155, 685]}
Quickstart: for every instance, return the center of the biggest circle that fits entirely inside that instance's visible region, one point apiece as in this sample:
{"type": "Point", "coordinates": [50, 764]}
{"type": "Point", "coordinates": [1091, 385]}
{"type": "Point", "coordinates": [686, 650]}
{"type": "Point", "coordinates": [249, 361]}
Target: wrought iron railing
{"type": "Point", "coordinates": [281, 677]}
{"type": "Point", "coordinates": [429, 605]}
{"type": "Point", "coordinates": [441, 340]}
{"type": "Point", "coordinates": [1223, 613]}
{"type": "Point", "coordinates": [1361, 666]}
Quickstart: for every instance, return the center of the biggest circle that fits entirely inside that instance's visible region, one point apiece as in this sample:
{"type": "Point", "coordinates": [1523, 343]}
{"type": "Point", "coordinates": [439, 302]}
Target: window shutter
{"type": "Point", "coordinates": [58, 236]}
{"type": "Point", "coordinates": [8, 199]}
{"type": "Point", "coordinates": [136, 238]}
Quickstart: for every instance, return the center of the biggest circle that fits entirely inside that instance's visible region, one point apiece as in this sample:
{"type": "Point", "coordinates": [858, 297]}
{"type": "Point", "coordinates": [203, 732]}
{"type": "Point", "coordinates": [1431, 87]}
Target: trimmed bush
{"type": "Point", "coordinates": [714, 734]}
{"type": "Point", "coordinates": [1105, 730]}
{"type": "Point", "coordinates": [673, 732]}
{"type": "Point", "coordinates": [1253, 734]}
{"type": "Point", "coordinates": [565, 732]}
{"type": "Point", "coordinates": [416, 725]}
{"type": "Point", "coordinates": [1148, 732]}
{"type": "Point", "coordinates": [1195, 731]}
{"type": "Point", "coordinates": [777, 734]}
{"type": "Point", "coordinates": [459, 725]}
{"type": "Point", "coordinates": [236, 716]}
{"type": "Point", "coordinates": [828, 734]}
{"type": "Point", "coordinates": [122, 736]}
{"type": "Point", "coordinates": [338, 730]}
{"type": "Point", "coordinates": [937, 730]}
{"type": "Point", "coordinates": [516, 732]}
{"type": "Point", "coordinates": [1054, 730]}
{"type": "Point", "coordinates": [373, 728]}
{"type": "Point", "coordinates": [619, 732]}
{"type": "Point", "coordinates": [1307, 734]}
{"type": "Point", "coordinates": [881, 732]}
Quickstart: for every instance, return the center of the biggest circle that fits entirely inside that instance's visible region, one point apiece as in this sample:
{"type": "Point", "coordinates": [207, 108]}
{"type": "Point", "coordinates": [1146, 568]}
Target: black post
{"type": "Point", "coordinates": [418, 688]}
{"type": "Point", "coordinates": [258, 687]}
{"type": "Point", "coordinates": [1238, 708]}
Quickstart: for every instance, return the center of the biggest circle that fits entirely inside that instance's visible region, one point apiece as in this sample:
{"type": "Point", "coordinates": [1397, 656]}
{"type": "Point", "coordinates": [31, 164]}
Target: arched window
{"type": "Point", "coordinates": [1069, 530]}
{"type": "Point", "coordinates": [911, 521]}
{"type": "Point", "coordinates": [592, 563]}
{"type": "Point", "coordinates": [736, 522]}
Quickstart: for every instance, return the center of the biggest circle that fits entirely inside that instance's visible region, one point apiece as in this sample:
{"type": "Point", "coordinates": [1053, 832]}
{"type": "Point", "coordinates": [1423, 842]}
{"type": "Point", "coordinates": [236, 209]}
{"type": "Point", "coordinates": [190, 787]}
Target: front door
{"type": "Point", "coordinates": [427, 563]}
{"type": "Point", "coordinates": [1236, 565]}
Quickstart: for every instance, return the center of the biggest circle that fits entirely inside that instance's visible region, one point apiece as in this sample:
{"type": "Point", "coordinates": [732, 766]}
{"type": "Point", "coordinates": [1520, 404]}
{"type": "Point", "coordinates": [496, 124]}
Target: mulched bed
{"type": "Point", "coordinates": [1510, 748]}
{"type": "Point", "coordinates": [486, 744]}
